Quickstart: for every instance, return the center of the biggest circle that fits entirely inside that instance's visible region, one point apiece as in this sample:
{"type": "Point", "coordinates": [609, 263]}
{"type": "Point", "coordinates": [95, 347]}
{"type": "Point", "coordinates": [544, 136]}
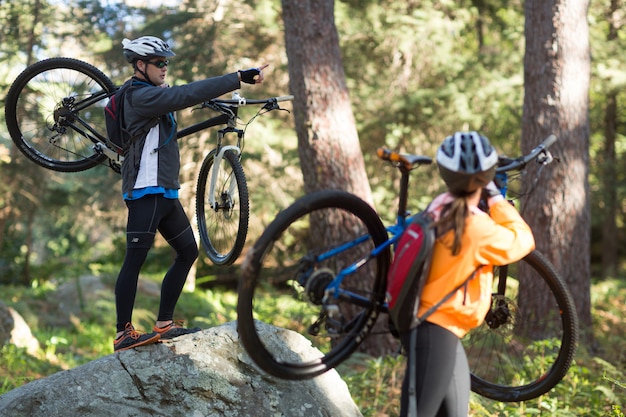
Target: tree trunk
{"type": "Point", "coordinates": [610, 239]}
{"type": "Point", "coordinates": [556, 77]}
{"type": "Point", "coordinates": [32, 35]}
{"type": "Point", "coordinates": [328, 143]}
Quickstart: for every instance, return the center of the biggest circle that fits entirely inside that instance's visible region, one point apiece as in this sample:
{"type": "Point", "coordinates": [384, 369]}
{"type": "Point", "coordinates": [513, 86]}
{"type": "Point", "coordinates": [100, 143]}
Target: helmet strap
{"type": "Point", "coordinates": [144, 73]}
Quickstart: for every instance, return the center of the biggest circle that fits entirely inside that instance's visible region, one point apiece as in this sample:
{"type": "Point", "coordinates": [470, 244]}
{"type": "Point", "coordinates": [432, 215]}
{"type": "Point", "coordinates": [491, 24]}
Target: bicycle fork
{"type": "Point", "coordinates": [226, 197]}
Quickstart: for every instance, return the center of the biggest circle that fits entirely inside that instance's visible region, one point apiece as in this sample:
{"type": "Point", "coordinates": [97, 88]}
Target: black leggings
{"type": "Point", "coordinates": [145, 216]}
{"type": "Point", "coordinates": [441, 371]}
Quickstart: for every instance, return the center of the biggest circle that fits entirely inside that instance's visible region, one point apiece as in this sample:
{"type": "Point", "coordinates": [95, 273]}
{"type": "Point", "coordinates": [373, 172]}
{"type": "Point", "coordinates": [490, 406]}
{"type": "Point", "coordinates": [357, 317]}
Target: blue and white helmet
{"type": "Point", "coordinates": [145, 47]}
{"type": "Point", "coordinates": [466, 162]}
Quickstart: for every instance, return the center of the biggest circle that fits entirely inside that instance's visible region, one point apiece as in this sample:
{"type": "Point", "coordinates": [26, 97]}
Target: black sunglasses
{"type": "Point", "coordinates": [159, 64]}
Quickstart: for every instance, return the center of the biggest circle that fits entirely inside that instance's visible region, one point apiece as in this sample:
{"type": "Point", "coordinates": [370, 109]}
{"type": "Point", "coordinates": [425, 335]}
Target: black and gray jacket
{"type": "Point", "coordinates": [153, 159]}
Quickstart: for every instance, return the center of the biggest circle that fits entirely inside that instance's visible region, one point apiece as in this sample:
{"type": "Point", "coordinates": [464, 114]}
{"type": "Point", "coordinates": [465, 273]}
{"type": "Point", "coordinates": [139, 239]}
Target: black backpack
{"type": "Point", "coordinates": [118, 138]}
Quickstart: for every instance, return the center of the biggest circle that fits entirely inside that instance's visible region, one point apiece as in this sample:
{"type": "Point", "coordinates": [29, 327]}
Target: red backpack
{"type": "Point", "coordinates": [409, 271]}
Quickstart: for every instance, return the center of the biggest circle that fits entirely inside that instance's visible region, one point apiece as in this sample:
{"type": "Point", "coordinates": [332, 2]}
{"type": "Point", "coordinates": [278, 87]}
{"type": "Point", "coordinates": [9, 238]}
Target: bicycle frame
{"type": "Point", "coordinates": [90, 133]}
{"type": "Point", "coordinates": [100, 141]}
{"type": "Point", "coordinates": [81, 105]}
{"type": "Point", "coordinates": [69, 117]}
{"type": "Point", "coordinates": [75, 122]}
{"type": "Point", "coordinates": [394, 231]}
{"type": "Point", "coordinates": [334, 289]}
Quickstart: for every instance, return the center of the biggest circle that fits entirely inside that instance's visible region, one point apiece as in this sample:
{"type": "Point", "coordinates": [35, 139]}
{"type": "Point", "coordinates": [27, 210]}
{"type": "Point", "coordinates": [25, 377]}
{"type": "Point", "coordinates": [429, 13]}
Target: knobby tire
{"type": "Point", "coordinates": [223, 229]}
{"type": "Point", "coordinates": [283, 286]}
{"type": "Point", "coordinates": [522, 354]}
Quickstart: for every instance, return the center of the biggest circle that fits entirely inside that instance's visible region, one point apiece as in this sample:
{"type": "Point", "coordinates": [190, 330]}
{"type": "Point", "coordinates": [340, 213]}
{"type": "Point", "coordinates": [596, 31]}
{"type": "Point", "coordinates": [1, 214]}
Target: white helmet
{"type": "Point", "coordinates": [145, 47]}
{"type": "Point", "coordinates": [466, 161]}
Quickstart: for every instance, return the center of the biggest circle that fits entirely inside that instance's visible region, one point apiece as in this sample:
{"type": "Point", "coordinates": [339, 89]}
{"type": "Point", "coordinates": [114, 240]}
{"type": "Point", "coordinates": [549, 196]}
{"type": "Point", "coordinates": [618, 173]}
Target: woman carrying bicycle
{"type": "Point", "coordinates": [150, 181]}
{"type": "Point", "coordinates": [469, 243]}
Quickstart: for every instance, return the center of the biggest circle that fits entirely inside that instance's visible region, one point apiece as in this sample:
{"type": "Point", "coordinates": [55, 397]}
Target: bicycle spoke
{"type": "Point", "coordinates": [222, 207]}
{"type": "Point", "coordinates": [518, 353]}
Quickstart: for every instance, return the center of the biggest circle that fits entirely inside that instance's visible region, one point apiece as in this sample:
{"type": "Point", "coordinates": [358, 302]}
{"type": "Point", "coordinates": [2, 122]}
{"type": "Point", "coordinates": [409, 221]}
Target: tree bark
{"type": "Point", "coordinates": [556, 78]}
{"type": "Point", "coordinates": [610, 239]}
{"type": "Point", "coordinates": [328, 143]}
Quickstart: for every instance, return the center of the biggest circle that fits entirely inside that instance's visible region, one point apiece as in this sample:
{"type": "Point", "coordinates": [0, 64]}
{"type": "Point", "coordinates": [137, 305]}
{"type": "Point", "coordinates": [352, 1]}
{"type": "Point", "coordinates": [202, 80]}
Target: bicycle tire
{"type": "Point", "coordinates": [223, 229]}
{"type": "Point", "coordinates": [42, 107]}
{"type": "Point", "coordinates": [516, 355]}
{"type": "Point", "coordinates": [282, 285]}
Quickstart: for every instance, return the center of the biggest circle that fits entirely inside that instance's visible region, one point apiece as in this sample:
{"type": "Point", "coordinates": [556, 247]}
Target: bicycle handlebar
{"type": "Point", "coordinates": [407, 161]}
{"type": "Point", "coordinates": [242, 101]}
{"type": "Point", "coordinates": [227, 108]}
{"type": "Point", "coordinates": [507, 164]}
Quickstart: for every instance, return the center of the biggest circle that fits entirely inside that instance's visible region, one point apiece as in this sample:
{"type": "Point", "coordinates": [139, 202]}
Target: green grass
{"type": "Point", "coordinates": [594, 386]}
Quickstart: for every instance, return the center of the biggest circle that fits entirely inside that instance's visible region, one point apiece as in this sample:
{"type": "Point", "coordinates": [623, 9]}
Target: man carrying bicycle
{"type": "Point", "coordinates": [150, 181]}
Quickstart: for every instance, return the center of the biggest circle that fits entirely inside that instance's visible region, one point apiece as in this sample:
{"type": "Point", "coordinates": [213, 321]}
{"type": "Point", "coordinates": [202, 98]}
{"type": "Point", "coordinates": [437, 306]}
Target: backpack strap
{"type": "Point", "coordinates": [431, 310]}
{"type": "Point", "coordinates": [146, 128]}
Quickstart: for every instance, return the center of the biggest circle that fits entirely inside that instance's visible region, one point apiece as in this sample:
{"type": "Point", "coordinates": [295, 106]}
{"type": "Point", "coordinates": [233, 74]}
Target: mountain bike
{"type": "Point", "coordinates": [55, 115]}
{"type": "Point", "coordinates": [329, 285]}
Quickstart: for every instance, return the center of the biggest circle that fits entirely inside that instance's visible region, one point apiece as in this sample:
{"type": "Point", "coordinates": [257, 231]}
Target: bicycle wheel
{"type": "Point", "coordinates": [528, 340]}
{"type": "Point", "coordinates": [55, 113]}
{"type": "Point", "coordinates": [222, 225]}
{"type": "Point", "coordinates": [284, 281]}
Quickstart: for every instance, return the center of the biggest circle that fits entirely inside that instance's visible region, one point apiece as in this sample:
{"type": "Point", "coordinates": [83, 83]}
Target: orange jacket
{"type": "Point", "coordinates": [500, 238]}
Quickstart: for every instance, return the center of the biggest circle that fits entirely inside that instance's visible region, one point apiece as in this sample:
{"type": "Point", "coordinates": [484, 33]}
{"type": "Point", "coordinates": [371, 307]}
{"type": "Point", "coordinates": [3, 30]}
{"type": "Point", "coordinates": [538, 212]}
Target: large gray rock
{"type": "Point", "coordinates": [199, 375]}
